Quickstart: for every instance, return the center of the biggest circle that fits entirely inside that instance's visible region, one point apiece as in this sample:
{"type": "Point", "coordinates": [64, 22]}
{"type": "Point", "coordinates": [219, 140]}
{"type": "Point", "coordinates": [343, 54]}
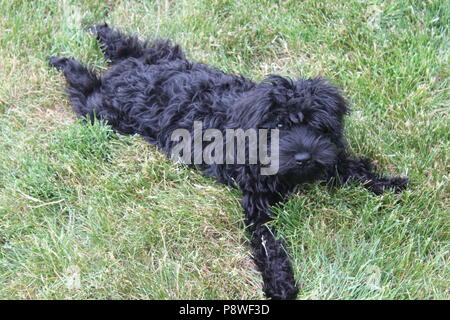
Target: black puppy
{"type": "Point", "coordinates": [152, 89]}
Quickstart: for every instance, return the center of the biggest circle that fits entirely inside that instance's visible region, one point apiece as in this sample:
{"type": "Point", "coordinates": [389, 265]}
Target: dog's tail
{"type": "Point", "coordinates": [82, 84]}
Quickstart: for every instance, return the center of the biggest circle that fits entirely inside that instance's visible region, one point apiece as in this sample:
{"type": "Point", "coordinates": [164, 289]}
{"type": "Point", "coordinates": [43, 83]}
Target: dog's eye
{"type": "Point", "coordinates": [280, 126]}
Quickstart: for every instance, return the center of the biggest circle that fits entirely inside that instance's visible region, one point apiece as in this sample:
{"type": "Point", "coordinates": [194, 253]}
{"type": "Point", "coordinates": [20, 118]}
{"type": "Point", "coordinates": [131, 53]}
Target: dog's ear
{"type": "Point", "coordinates": [320, 95]}
{"type": "Point", "coordinates": [255, 107]}
{"type": "Point", "coordinates": [251, 109]}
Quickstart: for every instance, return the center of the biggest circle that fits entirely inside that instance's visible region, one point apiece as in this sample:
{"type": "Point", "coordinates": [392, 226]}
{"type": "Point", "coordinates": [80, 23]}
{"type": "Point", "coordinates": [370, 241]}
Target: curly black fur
{"type": "Point", "coordinates": [152, 89]}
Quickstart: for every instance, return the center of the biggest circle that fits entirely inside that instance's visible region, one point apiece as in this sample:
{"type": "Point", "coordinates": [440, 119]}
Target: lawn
{"type": "Point", "coordinates": [88, 214]}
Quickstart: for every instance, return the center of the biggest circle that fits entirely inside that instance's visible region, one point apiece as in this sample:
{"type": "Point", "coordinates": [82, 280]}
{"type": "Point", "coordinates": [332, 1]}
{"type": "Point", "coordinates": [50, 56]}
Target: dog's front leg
{"type": "Point", "coordinates": [269, 253]}
{"type": "Point", "coordinates": [361, 170]}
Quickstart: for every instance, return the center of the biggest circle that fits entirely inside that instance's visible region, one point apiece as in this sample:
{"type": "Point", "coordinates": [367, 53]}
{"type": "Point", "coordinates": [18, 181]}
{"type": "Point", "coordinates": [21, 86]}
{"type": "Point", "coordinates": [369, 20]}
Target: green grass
{"type": "Point", "coordinates": [85, 213]}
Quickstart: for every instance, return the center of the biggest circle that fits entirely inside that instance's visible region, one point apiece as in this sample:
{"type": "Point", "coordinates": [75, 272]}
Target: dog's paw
{"type": "Point", "coordinates": [98, 29]}
{"type": "Point", "coordinates": [284, 290]}
{"type": "Point", "coordinates": [57, 62]}
{"type": "Point", "coordinates": [396, 184]}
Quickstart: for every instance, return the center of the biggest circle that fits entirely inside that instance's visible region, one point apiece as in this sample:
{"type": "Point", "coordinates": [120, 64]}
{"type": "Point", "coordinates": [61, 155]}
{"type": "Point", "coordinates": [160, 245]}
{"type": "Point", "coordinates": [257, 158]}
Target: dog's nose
{"type": "Point", "coordinates": [302, 157]}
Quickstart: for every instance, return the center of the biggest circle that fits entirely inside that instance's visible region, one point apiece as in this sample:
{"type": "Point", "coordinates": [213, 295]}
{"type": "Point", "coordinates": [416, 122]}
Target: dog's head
{"type": "Point", "coordinates": [309, 116]}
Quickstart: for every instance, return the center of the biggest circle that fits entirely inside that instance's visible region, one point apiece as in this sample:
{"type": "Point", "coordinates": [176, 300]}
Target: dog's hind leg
{"type": "Point", "coordinates": [82, 83]}
{"type": "Point", "coordinates": [116, 46]}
